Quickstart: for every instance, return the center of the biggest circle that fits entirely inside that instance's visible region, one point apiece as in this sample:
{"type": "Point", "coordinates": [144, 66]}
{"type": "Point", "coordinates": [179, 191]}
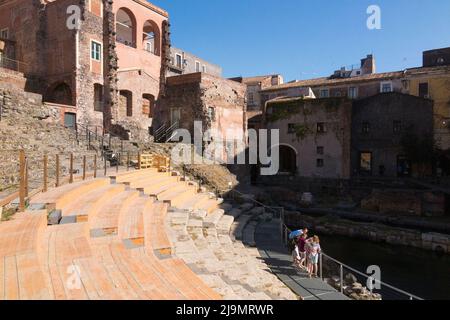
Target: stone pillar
{"type": "Point", "coordinates": [165, 55]}
{"type": "Point", "coordinates": [110, 108]}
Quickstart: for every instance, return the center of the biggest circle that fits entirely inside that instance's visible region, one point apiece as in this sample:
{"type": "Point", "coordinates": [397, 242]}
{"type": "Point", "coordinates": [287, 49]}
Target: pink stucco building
{"type": "Point", "coordinates": [107, 73]}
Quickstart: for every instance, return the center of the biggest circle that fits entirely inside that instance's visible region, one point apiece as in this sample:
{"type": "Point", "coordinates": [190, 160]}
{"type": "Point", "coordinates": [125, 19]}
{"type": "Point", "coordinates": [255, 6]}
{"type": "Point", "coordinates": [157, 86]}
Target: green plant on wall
{"type": "Point", "coordinates": [302, 131]}
{"type": "Point", "coordinates": [285, 110]}
{"type": "Point", "coordinates": [332, 105]}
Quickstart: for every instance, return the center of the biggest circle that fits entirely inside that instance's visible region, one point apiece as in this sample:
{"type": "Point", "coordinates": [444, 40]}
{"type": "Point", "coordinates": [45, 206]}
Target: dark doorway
{"type": "Point", "coordinates": [126, 103]}
{"type": "Point", "coordinates": [288, 160]}
{"type": "Point", "coordinates": [365, 163]}
{"type": "Point", "coordinates": [403, 167]}
{"type": "Point", "coordinates": [70, 120]}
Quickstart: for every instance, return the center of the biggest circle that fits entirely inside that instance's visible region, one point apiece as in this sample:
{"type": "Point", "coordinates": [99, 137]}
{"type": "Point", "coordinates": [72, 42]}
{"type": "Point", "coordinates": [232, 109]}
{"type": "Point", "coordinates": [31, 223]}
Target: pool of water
{"type": "Point", "coordinates": [419, 272]}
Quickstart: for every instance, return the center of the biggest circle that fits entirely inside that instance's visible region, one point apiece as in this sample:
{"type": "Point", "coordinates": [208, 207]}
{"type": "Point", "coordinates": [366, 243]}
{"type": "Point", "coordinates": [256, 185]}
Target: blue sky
{"type": "Point", "coordinates": [305, 39]}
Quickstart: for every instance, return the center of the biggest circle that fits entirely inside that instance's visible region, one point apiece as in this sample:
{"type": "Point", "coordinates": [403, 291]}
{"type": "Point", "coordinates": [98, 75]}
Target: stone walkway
{"type": "Point", "coordinates": [269, 244]}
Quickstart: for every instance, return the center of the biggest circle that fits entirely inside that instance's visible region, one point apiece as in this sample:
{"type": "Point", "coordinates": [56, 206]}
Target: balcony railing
{"type": "Point", "coordinates": [126, 42]}
{"type": "Point", "coordinates": [12, 64]}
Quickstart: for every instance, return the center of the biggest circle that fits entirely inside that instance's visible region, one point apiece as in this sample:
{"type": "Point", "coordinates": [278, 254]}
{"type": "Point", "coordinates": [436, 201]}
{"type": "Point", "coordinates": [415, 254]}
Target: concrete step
{"type": "Point", "coordinates": [212, 220]}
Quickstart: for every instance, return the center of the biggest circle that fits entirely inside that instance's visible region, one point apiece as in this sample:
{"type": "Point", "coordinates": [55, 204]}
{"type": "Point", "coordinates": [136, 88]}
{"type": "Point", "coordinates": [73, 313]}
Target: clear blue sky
{"type": "Point", "coordinates": [305, 39]}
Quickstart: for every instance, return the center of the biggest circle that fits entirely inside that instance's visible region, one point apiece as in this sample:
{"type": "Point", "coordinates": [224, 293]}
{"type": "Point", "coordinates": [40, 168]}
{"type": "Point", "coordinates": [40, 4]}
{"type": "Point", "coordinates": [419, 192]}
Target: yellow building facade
{"type": "Point", "coordinates": [433, 83]}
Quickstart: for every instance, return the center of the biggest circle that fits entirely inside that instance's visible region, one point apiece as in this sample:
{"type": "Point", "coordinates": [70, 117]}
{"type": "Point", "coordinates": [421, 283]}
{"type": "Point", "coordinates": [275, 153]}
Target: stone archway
{"type": "Point", "coordinates": [126, 27]}
{"type": "Point", "coordinates": [288, 160]}
{"type": "Point", "coordinates": [151, 38]}
{"type": "Point", "coordinates": [59, 93]}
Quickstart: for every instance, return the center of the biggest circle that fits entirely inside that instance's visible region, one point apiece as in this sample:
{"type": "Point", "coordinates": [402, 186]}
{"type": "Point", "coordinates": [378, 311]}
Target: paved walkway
{"type": "Point", "coordinates": [269, 244]}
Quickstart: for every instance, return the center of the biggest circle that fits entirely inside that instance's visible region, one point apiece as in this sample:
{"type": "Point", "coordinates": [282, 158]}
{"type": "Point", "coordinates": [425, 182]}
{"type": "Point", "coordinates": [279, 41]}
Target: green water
{"type": "Point", "coordinates": [423, 273]}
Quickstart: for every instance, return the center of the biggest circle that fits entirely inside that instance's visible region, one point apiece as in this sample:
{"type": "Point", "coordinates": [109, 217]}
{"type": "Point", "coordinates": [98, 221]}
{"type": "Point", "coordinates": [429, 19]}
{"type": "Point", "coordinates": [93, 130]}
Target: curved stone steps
{"type": "Point", "coordinates": [62, 246]}
{"type": "Point", "coordinates": [81, 208]}
{"type": "Point", "coordinates": [248, 234]}
{"type": "Point", "coordinates": [117, 273]}
{"type": "Point", "coordinates": [237, 228]}
{"type": "Point", "coordinates": [176, 195]}
{"type": "Point", "coordinates": [215, 253]}
{"type": "Point", "coordinates": [106, 267]}
{"type": "Point", "coordinates": [177, 273]}
{"type": "Point", "coordinates": [155, 190]}
{"type": "Point", "coordinates": [195, 202]}
{"type": "Point", "coordinates": [131, 219]}
{"type": "Point", "coordinates": [155, 235]}
{"type": "Point", "coordinates": [212, 257]}
{"type": "Point", "coordinates": [157, 179]}
{"type": "Point", "coordinates": [104, 220]}
{"type": "Point", "coordinates": [133, 175]}
{"type": "Point", "coordinates": [60, 197]}
{"type": "Point", "coordinates": [21, 276]}
{"type": "Point", "coordinates": [144, 277]}
{"type": "Point", "coordinates": [212, 220]}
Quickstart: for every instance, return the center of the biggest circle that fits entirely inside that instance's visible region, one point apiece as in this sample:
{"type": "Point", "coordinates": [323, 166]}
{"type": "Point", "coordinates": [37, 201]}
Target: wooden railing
{"type": "Point", "coordinates": [77, 168]}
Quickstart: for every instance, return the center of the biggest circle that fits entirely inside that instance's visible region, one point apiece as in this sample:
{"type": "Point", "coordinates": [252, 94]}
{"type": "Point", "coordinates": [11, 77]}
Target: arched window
{"type": "Point", "coordinates": [288, 160]}
{"type": "Point", "coordinates": [60, 93]}
{"type": "Point", "coordinates": [98, 97]}
{"type": "Point", "coordinates": [148, 104]}
{"type": "Point", "coordinates": [126, 103]}
{"type": "Point", "coordinates": [151, 37]}
{"type": "Point", "coordinates": [126, 27]}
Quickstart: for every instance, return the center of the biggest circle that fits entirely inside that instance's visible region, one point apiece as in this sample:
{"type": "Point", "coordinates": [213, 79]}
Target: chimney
{"type": "Point", "coordinates": [277, 80]}
{"type": "Point", "coordinates": [368, 65]}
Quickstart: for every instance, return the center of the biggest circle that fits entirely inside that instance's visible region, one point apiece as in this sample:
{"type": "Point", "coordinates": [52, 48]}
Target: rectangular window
{"type": "Point", "coordinates": [365, 127]}
{"type": "Point", "coordinates": [353, 92]}
{"type": "Point", "coordinates": [197, 66]}
{"type": "Point", "coordinates": [291, 128]}
{"type": "Point", "coordinates": [423, 90]}
{"type": "Point", "coordinates": [321, 127]}
{"type": "Point", "coordinates": [179, 61]}
{"type": "Point", "coordinates": [397, 126]}
{"type": "Point", "coordinates": [96, 51]}
{"type": "Point", "coordinates": [148, 47]}
{"type": "Point", "coordinates": [4, 34]}
{"type": "Point", "coordinates": [365, 163]}
{"type": "Point", "coordinates": [251, 98]}
{"type": "Point", "coordinates": [320, 151]}
{"type": "Point", "coordinates": [324, 93]}
{"type": "Point", "coordinates": [204, 69]}
{"type": "Point", "coordinates": [320, 163]}
{"type": "Point", "coordinates": [386, 87]}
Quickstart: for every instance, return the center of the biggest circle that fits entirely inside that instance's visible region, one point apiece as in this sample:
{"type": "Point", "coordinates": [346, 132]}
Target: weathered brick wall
{"type": "Point", "coordinates": [91, 29]}
{"type": "Point", "coordinates": [305, 115]}
{"type": "Point", "coordinates": [195, 94]}
{"type": "Point", "coordinates": [28, 124]}
{"type": "Point", "coordinates": [380, 112]}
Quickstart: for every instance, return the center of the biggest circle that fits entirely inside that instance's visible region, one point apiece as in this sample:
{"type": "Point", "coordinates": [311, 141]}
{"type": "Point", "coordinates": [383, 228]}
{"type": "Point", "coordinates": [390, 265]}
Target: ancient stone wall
{"type": "Point", "coordinates": [27, 124]}
{"type": "Point", "coordinates": [373, 232]}
{"type": "Point", "coordinates": [217, 103]}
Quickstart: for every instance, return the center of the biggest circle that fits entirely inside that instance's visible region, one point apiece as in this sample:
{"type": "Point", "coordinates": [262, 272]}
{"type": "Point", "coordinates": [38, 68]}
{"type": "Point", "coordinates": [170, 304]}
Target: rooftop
{"type": "Point", "coordinates": [328, 81]}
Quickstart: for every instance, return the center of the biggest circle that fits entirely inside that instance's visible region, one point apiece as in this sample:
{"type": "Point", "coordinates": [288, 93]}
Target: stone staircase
{"type": "Point", "coordinates": [210, 244]}
{"type": "Point", "coordinates": [136, 235]}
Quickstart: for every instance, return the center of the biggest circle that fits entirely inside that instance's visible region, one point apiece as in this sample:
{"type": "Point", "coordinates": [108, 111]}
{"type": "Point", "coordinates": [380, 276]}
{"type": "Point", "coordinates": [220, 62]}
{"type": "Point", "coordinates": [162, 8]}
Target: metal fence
{"type": "Point", "coordinates": [334, 271]}
{"type": "Point", "coordinates": [12, 64]}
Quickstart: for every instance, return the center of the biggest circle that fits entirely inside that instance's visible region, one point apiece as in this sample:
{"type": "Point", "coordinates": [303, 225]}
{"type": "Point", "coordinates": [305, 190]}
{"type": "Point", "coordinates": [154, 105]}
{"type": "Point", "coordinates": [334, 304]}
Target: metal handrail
{"type": "Point", "coordinates": [411, 296]}
{"type": "Point", "coordinates": [16, 63]}
{"type": "Point", "coordinates": [342, 265]}
{"type": "Point", "coordinates": [285, 231]}
{"type": "Point", "coordinates": [170, 130]}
